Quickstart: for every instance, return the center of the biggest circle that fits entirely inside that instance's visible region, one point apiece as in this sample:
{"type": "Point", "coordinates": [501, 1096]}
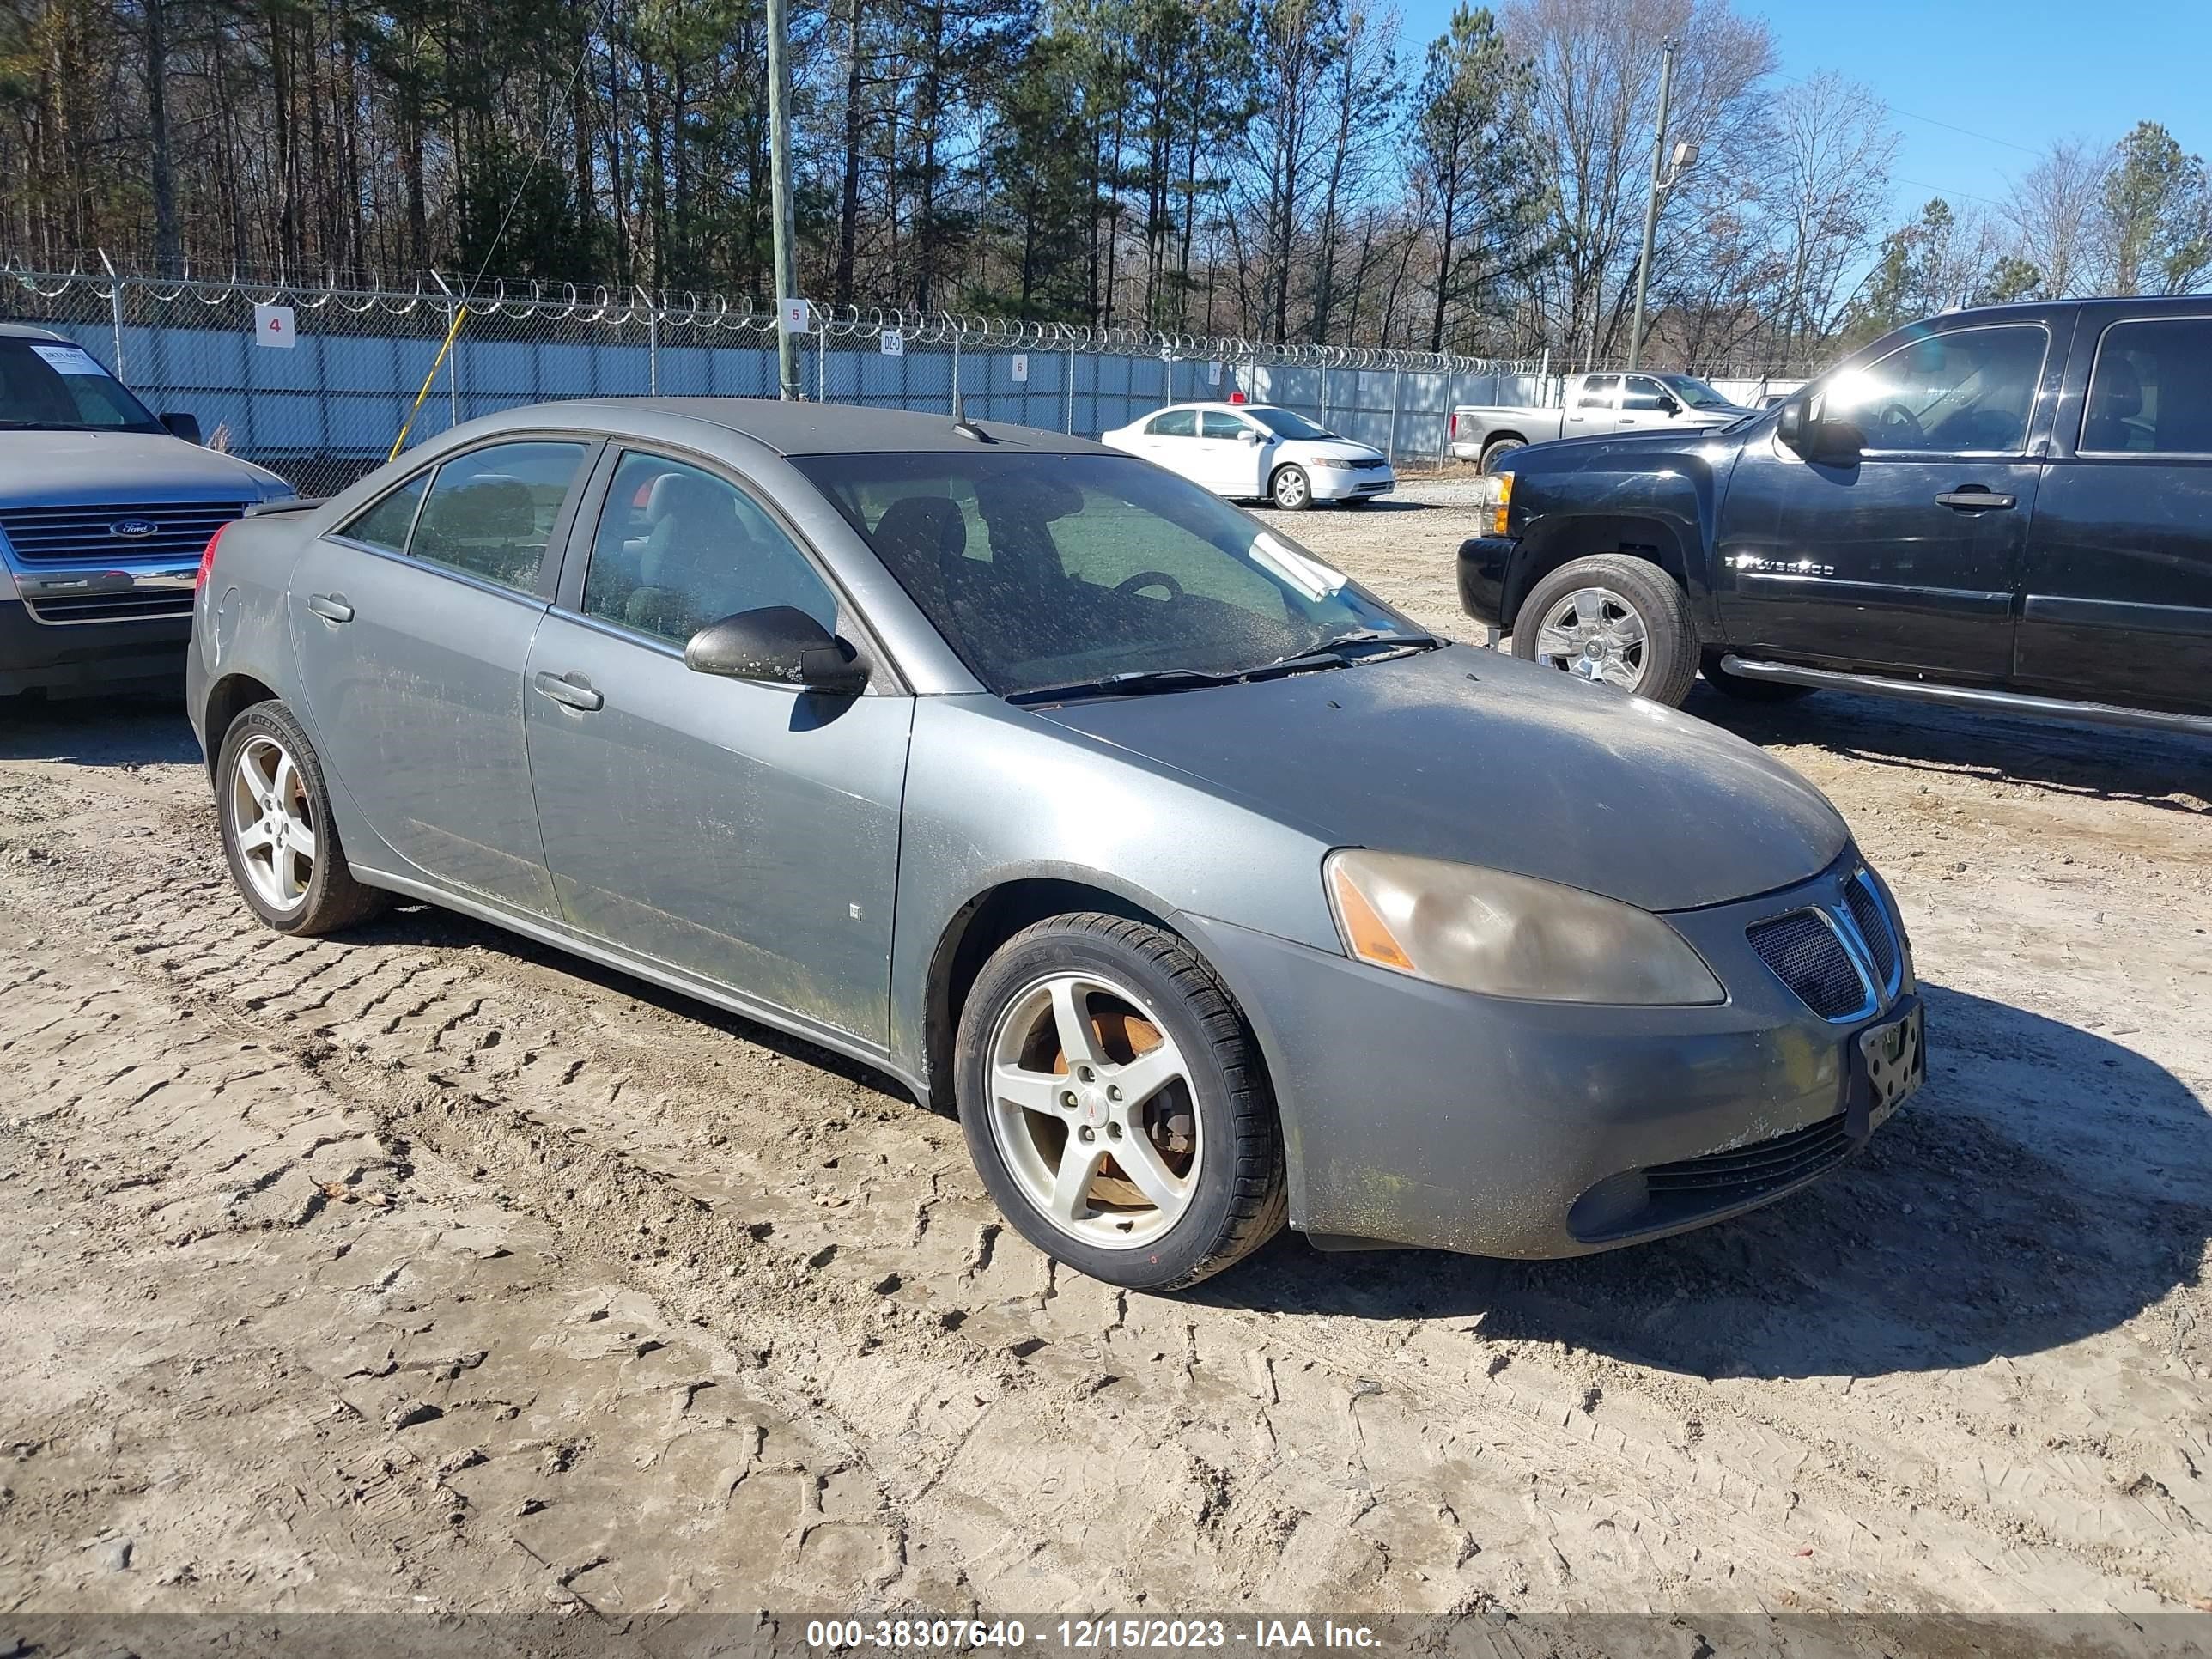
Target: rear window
{"type": "Point", "coordinates": [490, 512]}
{"type": "Point", "coordinates": [2151, 391]}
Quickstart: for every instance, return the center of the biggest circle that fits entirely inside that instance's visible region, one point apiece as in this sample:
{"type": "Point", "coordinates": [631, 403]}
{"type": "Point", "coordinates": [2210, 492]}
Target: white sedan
{"type": "Point", "coordinates": [1257, 452]}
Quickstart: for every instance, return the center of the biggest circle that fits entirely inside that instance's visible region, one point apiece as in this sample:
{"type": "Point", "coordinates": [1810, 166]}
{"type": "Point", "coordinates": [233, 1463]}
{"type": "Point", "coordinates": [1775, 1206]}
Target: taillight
{"type": "Point", "coordinates": [1455, 425]}
{"type": "Point", "coordinates": [207, 556]}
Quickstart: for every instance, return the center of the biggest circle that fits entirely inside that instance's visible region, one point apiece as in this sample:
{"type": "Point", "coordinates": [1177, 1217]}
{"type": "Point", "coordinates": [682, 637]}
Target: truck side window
{"type": "Point", "coordinates": [2151, 391]}
{"type": "Point", "coordinates": [1597, 391]}
{"type": "Point", "coordinates": [1642, 393]}
{"type": "Point", "coordinates": [1965, 392]}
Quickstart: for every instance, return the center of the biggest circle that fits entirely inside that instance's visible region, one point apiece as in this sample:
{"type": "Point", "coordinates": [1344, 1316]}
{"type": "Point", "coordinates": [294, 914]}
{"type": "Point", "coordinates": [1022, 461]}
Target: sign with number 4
{"type": "Point", "coordinates": [273, 326]}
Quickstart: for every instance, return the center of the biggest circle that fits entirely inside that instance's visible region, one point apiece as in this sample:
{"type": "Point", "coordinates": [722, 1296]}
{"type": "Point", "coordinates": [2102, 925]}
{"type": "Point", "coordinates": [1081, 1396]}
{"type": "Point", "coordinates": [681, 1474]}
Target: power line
{"type": "Point", "coordinates": [1948, 126]}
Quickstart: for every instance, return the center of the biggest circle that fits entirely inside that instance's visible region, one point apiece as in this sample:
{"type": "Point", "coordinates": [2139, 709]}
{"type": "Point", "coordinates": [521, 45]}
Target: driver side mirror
{"type": "Point", "coordinates": [1246, 435]}
{"type": "Point", "coordinates": [1669, 403]}
{"type": "Point", "coordinates": [778, 645]}
{"type": "Point", "coordinates": [1815, 438]}
{"type": "Point", "coordinates": [181, 425]}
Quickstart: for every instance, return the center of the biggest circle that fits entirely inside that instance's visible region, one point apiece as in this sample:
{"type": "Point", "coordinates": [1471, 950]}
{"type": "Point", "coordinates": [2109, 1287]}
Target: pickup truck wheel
{"type": "Point", "coordinates": [1498, 451]}
{"type": "Point", "coordinates": [1116, 1105]}
{"type": "Point", "coordinates": [1613, 618]}
{"type": "Point", "coordinates": [1750, 690]}
{"type": "Point", "coordinates": [1290, 490]}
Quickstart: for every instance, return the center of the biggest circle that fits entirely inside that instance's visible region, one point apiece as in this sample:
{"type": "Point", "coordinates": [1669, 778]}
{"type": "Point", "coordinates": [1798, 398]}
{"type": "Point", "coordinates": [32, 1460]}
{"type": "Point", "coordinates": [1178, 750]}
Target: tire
{"type": "Point", "coordinates": [1206, 1116]}
{"type": "Point", "coordinates": [1499, 450]}
{"type": "Point", "coordinates": [1665, 659]}
{"type": "Point", "coordinates": [1290, 489]}
{"type": "Point", "coordinates": [286, 784]}
{"type": "Point", "coordinates": [1750, 690]}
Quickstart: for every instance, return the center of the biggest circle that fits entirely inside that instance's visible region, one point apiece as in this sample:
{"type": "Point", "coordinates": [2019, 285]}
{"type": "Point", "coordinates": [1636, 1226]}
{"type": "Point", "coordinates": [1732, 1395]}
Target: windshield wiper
{"type": "Point", "coordinates": [1342, 652]}
{"type": "Point", "coordinates": [1135, 683]}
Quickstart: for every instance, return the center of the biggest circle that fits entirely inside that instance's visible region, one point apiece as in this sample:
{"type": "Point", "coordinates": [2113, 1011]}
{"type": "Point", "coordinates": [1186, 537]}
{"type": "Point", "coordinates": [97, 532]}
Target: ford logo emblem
{"type": "Point", "coordinates": [133, 528]}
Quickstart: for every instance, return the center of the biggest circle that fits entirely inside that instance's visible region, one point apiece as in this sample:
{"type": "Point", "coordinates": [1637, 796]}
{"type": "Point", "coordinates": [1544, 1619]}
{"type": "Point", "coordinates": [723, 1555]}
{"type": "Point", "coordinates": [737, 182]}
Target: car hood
{"type": "Point", "coordinates": [1345, 449]}
{"type": "Point", "coordinates": [69, 469]}
{"type": "Point", "coordinates": [1471, 755]}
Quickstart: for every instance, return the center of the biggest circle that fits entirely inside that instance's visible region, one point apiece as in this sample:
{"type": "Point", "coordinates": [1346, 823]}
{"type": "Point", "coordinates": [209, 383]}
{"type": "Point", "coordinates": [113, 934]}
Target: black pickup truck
{"type": "Point", "coordinates": [2008, 507]}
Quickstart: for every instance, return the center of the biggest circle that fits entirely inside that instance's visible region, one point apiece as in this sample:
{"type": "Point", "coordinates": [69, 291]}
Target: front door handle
{"type": "Point", "coordinates": [569, 693]}
{"type": "Point", "coordinates": [1975, 500]}
{"type": "Point", "coordinates": [330, 607]}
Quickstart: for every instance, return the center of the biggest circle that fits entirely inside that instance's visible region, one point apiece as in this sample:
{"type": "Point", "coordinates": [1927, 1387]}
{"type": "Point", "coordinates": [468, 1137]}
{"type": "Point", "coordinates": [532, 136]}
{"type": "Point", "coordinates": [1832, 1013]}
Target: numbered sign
{"type": "Point", "coordinates": [273, 325]}
{"type": "Point", "coordinates": [797, 316]}
{"type": "Point", "coordinates": [892, 343]}
{"type": "Point", "coordinates": [1214, 373]}
{"type": "Point", "coordinates": [1021, 367]}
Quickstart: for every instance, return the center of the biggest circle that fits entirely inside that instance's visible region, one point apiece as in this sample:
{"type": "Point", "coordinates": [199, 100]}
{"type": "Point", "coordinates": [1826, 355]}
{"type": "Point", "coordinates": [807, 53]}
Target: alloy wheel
{"type": "Point", "coordinates": [273, 820]}
{"type": "Point", "coordinates": [1091, 1108]}
{"type": "Point", "coordinates": [1596, 633]}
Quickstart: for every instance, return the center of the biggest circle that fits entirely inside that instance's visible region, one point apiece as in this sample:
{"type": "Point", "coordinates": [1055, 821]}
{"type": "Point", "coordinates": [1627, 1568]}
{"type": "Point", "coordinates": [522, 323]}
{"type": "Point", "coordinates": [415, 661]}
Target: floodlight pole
{"type": "Point", "coordinates": [779, 172]}
{"type": "Point", "coordinates": [1651, 205]}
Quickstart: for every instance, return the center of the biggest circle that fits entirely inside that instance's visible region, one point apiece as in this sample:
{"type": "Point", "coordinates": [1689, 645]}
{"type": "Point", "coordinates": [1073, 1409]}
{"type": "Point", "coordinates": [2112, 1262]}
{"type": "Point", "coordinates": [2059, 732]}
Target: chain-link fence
{"type": "Point", "coordinates": [319, 391]}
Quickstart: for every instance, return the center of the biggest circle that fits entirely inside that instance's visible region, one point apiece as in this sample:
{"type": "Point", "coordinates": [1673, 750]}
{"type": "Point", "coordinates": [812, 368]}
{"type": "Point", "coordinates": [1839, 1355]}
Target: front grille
{"type": "Point", "coordinates": [1741, 1172]}
{"type": "Point", "coordinates": [148, 605]}
{"type": "Point", "coordinates": [1873, 926]}
{"type": "Point", "coordinates": [1367, 466]}
{"type": "Point", "coordinates": [1805, 955]}
{"type": "Point", "coordinates": [63, 535]}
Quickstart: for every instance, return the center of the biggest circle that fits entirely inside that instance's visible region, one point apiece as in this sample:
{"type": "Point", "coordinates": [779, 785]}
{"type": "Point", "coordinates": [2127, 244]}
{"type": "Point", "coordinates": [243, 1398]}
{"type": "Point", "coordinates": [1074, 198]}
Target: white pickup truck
{"type": "Point", "coordinates": [1588, 404]}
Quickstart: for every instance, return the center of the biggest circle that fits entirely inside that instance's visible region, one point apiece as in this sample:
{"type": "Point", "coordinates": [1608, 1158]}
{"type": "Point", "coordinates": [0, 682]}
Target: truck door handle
{"type": "Point", "coordinates": [330, 607]}
{"type": "Point", "coordinates": [570, 693]}
{"type": "Point", "coordinates": [1976, 500]}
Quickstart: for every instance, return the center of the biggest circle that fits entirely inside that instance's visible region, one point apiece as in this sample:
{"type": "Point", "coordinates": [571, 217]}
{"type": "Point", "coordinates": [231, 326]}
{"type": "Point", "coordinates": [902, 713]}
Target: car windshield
{"type": "Point", "coordinates": [1695, 392]}
{"type": "Point", "coordinates": [53, 385]}
{"type": "Point", "coordinates": [1098, 573]}
{"type": "Point", "coordinates": [1288, 423]}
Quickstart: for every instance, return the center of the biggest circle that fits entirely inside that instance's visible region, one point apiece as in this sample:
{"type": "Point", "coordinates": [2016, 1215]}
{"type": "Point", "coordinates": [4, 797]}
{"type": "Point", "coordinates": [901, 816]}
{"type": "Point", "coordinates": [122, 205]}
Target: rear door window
{"type": "Point", "coordinates": [387, 525]}
{"type": "Point", "coordinates": [490, 513]}
{"type": "Point", "coordinates": [1597, 391]}
{"type": "Point", "coordinates": [2150, 392]}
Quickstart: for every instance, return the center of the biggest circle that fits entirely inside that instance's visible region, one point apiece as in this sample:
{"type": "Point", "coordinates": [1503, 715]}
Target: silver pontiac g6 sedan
{"type": "Point", "coordinates": [1210, 890]}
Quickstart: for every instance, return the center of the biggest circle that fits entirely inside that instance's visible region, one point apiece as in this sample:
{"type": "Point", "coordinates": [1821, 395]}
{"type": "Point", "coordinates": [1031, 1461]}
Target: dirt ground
{"type": "Point", "coordinates": [424, 1269]}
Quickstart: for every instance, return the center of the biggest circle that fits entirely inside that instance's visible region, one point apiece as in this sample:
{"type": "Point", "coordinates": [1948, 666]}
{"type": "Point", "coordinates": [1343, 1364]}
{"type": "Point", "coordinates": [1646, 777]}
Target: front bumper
{"type": "Point", "coordinates": [86, 656]}
{"type": "Point", "coordinates": [1483, 564]}
{"type": "Point", "coordinates": [1343, 485]}
{"type": "Point", "coordinates": [1418, 1115]}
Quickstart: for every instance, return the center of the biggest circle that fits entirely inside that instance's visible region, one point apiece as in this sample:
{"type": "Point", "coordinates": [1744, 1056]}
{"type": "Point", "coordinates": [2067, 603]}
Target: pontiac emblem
{"type": "Point", "coordinates": [133, 528]}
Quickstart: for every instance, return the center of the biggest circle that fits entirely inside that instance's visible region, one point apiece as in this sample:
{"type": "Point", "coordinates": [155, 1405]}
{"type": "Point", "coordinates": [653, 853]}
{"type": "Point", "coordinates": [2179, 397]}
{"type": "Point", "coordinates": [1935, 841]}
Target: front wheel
{"type": "Point", "coordinates": [1613, 618]}
{"type": "Point", "coordinates": [1498, 451]}
{"type": "Point", "coordinates": [277, 830]}
{"type": "Point", "coordinates": [1291, 490]}
{"type": "Point", "coordinates": [1115, 1105]}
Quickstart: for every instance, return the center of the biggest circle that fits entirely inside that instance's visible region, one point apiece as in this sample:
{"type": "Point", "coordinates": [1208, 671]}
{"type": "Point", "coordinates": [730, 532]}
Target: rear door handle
{"type": "Point", "coordinates": [330, 607]}
{"type": "Point", "coordinates": [569, 693]}
{"type": "Point", "coordinates": [1975, 500]}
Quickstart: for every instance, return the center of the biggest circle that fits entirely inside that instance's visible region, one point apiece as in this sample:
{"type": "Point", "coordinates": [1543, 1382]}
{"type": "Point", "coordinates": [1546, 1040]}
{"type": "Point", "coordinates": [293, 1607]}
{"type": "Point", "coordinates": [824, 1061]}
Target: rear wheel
{"type": "Point", "coordinates": [1290, 490]}
{"type": "Point", "coordinates": [1498, 451]}
{"type": "Point", "coordinates": [277, 832]}
{"type": "Point", "coordinates": [1612, 618]}
{"type": "Point", "coordinates": [1115, 1106]}
{"type": "Point", "coordinates": [1747, 689]}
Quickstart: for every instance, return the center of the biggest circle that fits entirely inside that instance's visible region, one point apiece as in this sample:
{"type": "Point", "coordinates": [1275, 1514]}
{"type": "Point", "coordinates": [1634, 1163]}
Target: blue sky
{"type": "Point", "coordinates": [2024, 71]}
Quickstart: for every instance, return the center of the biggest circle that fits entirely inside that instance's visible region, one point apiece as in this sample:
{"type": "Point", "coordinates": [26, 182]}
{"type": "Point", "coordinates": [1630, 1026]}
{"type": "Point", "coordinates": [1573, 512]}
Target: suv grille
{"type": "Point", "coordinates": [1805, 955]}
{"type": "Point", "coordinates": [64, 535]}
{"type": "Point", "coordinates": [146, 605]}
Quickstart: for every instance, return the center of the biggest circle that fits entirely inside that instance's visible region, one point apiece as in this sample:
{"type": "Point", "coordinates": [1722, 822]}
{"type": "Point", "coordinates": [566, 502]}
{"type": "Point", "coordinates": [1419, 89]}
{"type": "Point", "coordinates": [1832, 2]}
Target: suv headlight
{"type": "Point", "coordinates": [1505, 935]}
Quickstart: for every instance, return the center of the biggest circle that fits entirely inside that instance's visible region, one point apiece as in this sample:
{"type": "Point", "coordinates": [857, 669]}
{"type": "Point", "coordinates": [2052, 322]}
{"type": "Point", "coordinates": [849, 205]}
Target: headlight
{"type": "Point", "coordinates": [1494, 502]}
{"type": "Point", "coordinates": [1508, 936]}
{"type": "Point", "coordinates": [1329, 460]}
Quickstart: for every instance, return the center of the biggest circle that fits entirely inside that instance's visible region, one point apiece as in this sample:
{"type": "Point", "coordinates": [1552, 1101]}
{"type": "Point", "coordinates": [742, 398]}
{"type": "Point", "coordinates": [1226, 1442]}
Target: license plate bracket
{"type": "Point", "coordinates": [1888, 1062]}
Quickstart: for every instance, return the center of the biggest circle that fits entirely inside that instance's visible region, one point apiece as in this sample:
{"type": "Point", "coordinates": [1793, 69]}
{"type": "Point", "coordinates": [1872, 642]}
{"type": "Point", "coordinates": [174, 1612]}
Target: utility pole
{"type": "Point", "coordinates": [779, 172]}
{"type": "Point", "coordinates": [1651, 205]}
